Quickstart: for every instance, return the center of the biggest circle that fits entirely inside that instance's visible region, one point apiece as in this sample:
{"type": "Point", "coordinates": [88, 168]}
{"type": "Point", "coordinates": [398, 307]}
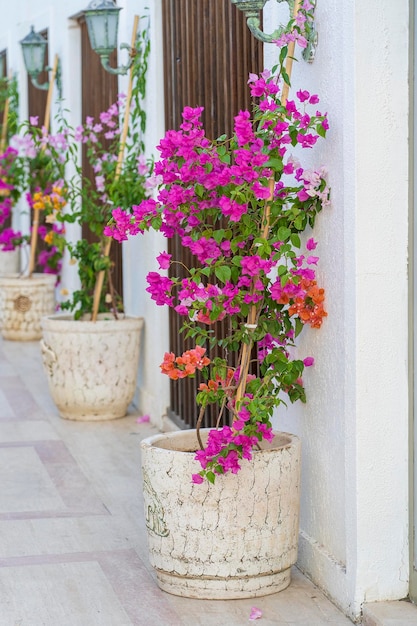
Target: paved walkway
{"type": "Point", "coordinates": [72, 534]}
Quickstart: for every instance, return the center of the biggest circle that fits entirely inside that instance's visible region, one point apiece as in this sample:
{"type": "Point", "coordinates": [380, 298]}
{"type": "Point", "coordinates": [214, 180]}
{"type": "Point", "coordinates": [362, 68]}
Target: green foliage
{"type": "Point", "coordinates": [94, 200]}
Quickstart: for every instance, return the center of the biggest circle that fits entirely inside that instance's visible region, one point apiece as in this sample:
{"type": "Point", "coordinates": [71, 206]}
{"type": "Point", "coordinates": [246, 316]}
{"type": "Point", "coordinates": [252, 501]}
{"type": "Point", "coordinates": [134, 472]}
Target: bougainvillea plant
{"type": "Point", "coordinates": [44, 156]}
{"type": "Point", "coordinates": [239, 205]}
{"type": "Point", "coordinates": [12, 181]}
{"type": "Point", "coordinates": [108, 186]}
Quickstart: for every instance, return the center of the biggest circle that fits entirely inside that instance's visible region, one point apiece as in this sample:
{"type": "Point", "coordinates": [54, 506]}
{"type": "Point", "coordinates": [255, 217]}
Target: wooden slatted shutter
{"type": "Point", "coordinates": [99, 91]}
{"type": "Point", "coordinates": [208, 54]}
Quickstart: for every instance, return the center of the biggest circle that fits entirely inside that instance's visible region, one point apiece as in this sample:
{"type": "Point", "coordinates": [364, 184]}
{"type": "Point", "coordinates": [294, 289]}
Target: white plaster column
{"type": "Point", "coordinates": [139, 253]}
{"type": "Point", "coordinates": [354, 427]}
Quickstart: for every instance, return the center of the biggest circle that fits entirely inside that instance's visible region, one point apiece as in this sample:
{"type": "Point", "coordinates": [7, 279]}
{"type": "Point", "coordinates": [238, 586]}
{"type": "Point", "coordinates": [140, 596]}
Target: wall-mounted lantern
{"type": "Point", "coordinates": [252, 10]}
{"type": "Point", "coordinates": [102, 17]}
{"type": "Point", "coordinates": [33, 48]}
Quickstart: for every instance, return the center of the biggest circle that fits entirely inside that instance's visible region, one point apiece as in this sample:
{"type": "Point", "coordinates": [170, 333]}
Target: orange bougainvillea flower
{"type": "Point", "coordinates": [184, 365]}
{"type": "Point", "coordinates": [309, 307]}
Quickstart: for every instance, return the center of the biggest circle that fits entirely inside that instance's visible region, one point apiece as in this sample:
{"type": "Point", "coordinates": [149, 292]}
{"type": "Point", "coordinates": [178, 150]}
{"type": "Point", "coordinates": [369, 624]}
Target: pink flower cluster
{"type": "Point", "coordinates": [225, 448]}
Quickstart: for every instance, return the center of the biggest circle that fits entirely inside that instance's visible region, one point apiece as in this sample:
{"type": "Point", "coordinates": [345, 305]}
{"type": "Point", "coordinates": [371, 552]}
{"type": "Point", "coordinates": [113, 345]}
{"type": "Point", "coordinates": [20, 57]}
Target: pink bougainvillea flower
{"type": "Point", "coordinates": [311, 244]}
{"type": "Point", "coordinates": [197, 479]}
{"type": "Point", "coordinates": [164, 259]}
{"type": "Point", "coordinates": [303, 95]}
{"type": "Point", "coordinates": [255, 613]}
{"type": "Point", "coordinates": [308, 361]}
{"type": "Point", "coordinates": [143, 419]}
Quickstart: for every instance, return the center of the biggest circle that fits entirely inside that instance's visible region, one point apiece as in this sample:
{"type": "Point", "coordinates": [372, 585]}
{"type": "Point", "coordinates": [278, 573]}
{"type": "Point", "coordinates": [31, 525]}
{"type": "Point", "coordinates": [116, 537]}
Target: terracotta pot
{"type": "Point", "coordinates": [91, 366]}
{"type": "Point", "coordinates": [23, 302]}
{"type": "Point", "coordinates": [234, 539]}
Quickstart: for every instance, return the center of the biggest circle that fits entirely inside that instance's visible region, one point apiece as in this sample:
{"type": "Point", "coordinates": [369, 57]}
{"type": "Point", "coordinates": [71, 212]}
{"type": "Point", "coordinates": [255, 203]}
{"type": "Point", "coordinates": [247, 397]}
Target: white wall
{"type": "Point", "coordinates": [354, 428]}
{"type": "Point", "coordinates": [139, 254]}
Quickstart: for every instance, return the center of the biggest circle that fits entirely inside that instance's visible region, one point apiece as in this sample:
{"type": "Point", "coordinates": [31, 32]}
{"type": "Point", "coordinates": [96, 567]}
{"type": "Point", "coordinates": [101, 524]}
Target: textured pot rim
{"type": "Point", "coordinates": [58, 321]}
{"type": "Point", "coordinates": [150, 442]}
{"type": "Point", "coordinates": [27, 281]}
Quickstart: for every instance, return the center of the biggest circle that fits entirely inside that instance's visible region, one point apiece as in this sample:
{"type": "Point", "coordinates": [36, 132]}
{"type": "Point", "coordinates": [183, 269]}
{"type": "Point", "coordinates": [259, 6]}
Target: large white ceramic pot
{"type": "Point", "coordinates": [23, 302]}
{"type": "Point", "coordinates": [91, 366]}
{"type": "Point", "coordinates": [9, 261]}
{"type": "Point", "coordinates": [235, 539]}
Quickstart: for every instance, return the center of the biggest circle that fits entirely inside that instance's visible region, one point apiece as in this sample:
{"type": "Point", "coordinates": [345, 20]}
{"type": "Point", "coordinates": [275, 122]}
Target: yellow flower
{"type": "Point", "coordinates": [38, 200]}
{"type": "Point", "coordinates": [72, 261]}
{"type": "Point", "coordinates": [64, 291]}
{"type": "Point", "coordinates": [49, 237]}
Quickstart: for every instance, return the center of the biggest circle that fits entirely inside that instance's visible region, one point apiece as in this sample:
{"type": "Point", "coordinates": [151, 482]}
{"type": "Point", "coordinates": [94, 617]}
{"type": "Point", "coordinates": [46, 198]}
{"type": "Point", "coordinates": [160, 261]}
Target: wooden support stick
{"type": "Point", "coordinates": [35, 222]}
{"type": "Point", "coordinates": [253, 313]}
{"type": "Point", "coordinates": [5, 119]}
{"type": "Point", "coordinates": [107, 246]}
{"type": "Point", "coordinates": [290, 57]}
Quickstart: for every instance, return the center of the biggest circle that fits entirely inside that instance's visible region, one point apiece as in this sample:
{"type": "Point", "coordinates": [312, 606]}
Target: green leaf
{"type": "Point", "coordinates": [283, 54]}
{"type": "Point", "coordinates": [218, 235]}
{"type": "Point", "coordinates": [295, 240]}
{"type": "Point", "coordinates": [200, 190]}
{"type": "Point", "coordinates": [285, 77]}
{"type": "Point", "coordinates": [320, 130]}
{"type": "Point", "coordinates": [210, 477]}
{"type": "Point", "coordinates": [275, 163]}
{"type": "Point", "coordinates": [223, 273]}
{"type": "Point", "coordinates": [298, 326]}
{"type": "Point", "coordinates": [299, 222]}
{"type": "Point", "coordinates": [283, 233]}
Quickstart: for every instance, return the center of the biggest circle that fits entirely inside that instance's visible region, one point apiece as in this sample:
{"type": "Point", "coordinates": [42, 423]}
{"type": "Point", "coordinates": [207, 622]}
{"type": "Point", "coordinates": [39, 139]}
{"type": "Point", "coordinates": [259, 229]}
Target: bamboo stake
{"type": "Point", "coordinates": [107, 246]}
{"type": "Point", "coordinates": [253, 313]}
{"type": "Point", "coordinates": [5, 119]}
{"type": "Point", "coordinates": [35, 222]}
{"type": "Point", "coordinates": [290, 57]}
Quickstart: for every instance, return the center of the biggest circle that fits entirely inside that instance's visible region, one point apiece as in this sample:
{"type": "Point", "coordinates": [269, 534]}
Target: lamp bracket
{"type": "Point", "coordinates": [45, 86]}
{"type": "Point", "coordinates": [35, 83]}
{"type": "Point", "coordinates": [122, 69]}
{"type": "Point", "coordinates": [252, 9]}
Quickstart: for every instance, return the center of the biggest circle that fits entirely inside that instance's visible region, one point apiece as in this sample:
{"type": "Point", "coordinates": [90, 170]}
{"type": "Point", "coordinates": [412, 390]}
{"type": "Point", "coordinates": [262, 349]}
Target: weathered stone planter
{"type": "Point", "coordinates": [23, 302]}
{"type": "Point", "coordinates": [9, 261]}
{"type": "Point", "coordinates": [91, 366]}
{"type": "Point", "coordinates": [234, 539]}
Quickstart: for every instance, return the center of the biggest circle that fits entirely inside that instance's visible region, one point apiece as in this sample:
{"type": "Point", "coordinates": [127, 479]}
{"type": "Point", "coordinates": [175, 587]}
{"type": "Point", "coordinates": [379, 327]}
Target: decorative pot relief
{"type": "Point", "coordinates": [23, 302]}
{"type": "Point", "coordinates": [155, 517]}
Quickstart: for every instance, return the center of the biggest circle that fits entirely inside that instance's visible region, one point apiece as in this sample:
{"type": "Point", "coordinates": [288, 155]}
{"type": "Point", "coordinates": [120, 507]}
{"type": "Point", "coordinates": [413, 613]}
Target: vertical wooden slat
{"type": "Point", "coordinates": [208, 54]}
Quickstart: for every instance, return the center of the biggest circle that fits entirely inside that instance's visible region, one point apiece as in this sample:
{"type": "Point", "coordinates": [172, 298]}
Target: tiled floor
{"type": "Point", "coordinates": [72, 534]}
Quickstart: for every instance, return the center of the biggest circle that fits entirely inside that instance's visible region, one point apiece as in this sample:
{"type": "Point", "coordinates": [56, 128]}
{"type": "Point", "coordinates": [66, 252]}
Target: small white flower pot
{"type": "Point", "coordinates": [91, 366]}
{"type": "Point", "coordinates": [23, 302]}
{"type": "Point", "coordinates": [9, 261]}
{"type": "Point", "coordinates": [235, 539]}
